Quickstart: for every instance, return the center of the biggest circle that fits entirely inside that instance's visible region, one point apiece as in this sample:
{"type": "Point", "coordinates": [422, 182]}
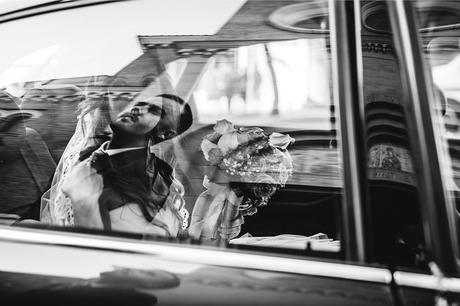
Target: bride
{"type": "Point", "coordinates": [109, 177]}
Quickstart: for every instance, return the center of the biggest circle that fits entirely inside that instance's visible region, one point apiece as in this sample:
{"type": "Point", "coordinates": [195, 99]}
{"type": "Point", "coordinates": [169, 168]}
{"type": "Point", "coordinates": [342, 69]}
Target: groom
{"type": "Point", "coordinates": [120, 185]}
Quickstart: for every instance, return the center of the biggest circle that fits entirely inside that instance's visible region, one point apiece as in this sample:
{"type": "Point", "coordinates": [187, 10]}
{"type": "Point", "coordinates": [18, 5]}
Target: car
{"type": "Point", "coordinates": [348, 191]}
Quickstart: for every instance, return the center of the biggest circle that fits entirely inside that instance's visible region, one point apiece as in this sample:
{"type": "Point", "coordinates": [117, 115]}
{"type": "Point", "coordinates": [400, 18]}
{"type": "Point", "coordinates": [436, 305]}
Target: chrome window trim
{"type": "Point", "coordinates": [425, 281]}
{"type": "Point", "coordinates": [346, 86]}
{"type": "Point", "coordinates": [199, 255]}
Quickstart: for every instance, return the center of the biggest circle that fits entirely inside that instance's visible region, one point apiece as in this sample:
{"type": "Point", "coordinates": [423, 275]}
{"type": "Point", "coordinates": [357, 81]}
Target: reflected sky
{"type": "Point", "coordinates": [105, 42]}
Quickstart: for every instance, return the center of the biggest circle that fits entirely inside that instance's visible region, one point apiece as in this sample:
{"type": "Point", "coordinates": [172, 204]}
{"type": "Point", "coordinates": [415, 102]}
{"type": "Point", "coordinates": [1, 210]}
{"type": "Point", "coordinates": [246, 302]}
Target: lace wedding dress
{"type": "Point", "coordinates": [56, 208]}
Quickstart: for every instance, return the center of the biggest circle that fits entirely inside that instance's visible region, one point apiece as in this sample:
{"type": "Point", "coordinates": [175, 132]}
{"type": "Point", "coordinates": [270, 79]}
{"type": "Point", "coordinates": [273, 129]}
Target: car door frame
{"type": "Point", "coordinates": [438, 209]}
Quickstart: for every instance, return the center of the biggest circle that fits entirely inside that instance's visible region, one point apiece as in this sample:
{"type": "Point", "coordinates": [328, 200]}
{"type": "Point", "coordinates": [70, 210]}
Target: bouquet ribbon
{"type": "Point", "coordinates": [216, 213]}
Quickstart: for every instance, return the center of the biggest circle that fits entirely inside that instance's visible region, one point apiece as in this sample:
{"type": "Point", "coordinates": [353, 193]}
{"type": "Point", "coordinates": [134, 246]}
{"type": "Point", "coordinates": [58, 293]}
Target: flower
{"type": "Point", "coordinates": [259, 163]}
{"type": "Point", "coordinates": [224, 126]}
{"type": "Point", "coordinates": [248, 153]}
{"type": "Point", "coordinates": [228, 141]}
{"type": "Point", "coordinates": [215, 156]}
{"type": "Point", "coordinates": [213, 137]}
{"type": "Point", "coordinates": [280, 141]}
{"type": "Point", "coordinates": [266, 186]}
{"type": "Point", "coordinates": [207, 146]}
{"type": "Point", "coordinates": [252, 132]}
{"type": "Point", "coordinates": [265, 179]}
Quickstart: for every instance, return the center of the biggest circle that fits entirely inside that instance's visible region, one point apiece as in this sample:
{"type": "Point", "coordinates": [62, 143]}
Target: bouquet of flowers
{"type": "Point", "coordinates": [258, 164]}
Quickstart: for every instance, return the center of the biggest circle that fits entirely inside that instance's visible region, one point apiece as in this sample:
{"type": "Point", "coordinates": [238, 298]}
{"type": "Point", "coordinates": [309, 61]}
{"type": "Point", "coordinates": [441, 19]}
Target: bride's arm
{"type": "Point", "coordinates": [84, 186]}
{"type": "Point", "coordinates": [129, 218]}
{"type": "Point", "coordinates": [216, 213]}
{"type": "Point", "coordinates": [168, 221]}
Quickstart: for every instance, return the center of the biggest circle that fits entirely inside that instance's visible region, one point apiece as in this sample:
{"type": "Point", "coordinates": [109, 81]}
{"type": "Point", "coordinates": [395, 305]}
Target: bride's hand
{"type": "Point", "coordinates": [84, 186]}
{"type": "Point", "coordinates": [83, 183]}
{"type": "Point", "coordinates": [232, 219]}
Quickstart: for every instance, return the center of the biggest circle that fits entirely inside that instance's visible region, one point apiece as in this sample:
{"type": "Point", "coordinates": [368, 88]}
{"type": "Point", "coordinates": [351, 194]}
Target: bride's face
{"type": "Point", "coordinates": [140, 117]}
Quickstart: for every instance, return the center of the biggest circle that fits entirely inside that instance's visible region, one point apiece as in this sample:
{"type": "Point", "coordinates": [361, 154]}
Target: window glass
{"type": "Point", "coordinates": [394, 212]}
{"type": "Point", "coordinates": [218, 129]}
{"type": "Point", "coordinates": [439, 32]}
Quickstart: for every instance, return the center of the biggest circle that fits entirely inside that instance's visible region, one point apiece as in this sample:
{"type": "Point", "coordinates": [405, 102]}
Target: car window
{"type": "Point", "coordinates": [438, 25]}
{"type": "Point", "coordinates": [393, 205]}
{"type": "Point", "coordinates": [438, 32]}
{"type": "Point", "coordinates": [216, 128]}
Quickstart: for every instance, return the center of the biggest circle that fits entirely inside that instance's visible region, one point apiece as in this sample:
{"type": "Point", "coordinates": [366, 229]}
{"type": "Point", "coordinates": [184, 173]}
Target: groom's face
{"type": "Point", "coordinates": [140, 117]}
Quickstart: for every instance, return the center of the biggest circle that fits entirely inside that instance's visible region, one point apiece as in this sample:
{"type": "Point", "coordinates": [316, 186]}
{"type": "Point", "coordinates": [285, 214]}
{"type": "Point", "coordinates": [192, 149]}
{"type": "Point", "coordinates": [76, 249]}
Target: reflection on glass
{"type": "Point", "coordinates": [219, 137]}
{"type": "Point", "coordinates": [439, 33]}
{"type": "Point", "coordinates": [394, 210]}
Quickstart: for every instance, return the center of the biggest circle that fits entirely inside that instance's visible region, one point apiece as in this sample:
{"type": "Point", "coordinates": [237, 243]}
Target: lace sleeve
{"type": "Point", "coordinates": [216, 213]}
{"type": "Point", "coordinates": [170, 221]}
{"type": "Point", "coordinates": [56, 208]}
{"type": "Point", "coordinates": [173, 217]}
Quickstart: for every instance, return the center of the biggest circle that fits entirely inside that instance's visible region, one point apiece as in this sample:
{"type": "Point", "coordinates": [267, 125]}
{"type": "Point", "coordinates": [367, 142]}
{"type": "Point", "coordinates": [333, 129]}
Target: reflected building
{"type": "Point", "coordinates": [388, 145]}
